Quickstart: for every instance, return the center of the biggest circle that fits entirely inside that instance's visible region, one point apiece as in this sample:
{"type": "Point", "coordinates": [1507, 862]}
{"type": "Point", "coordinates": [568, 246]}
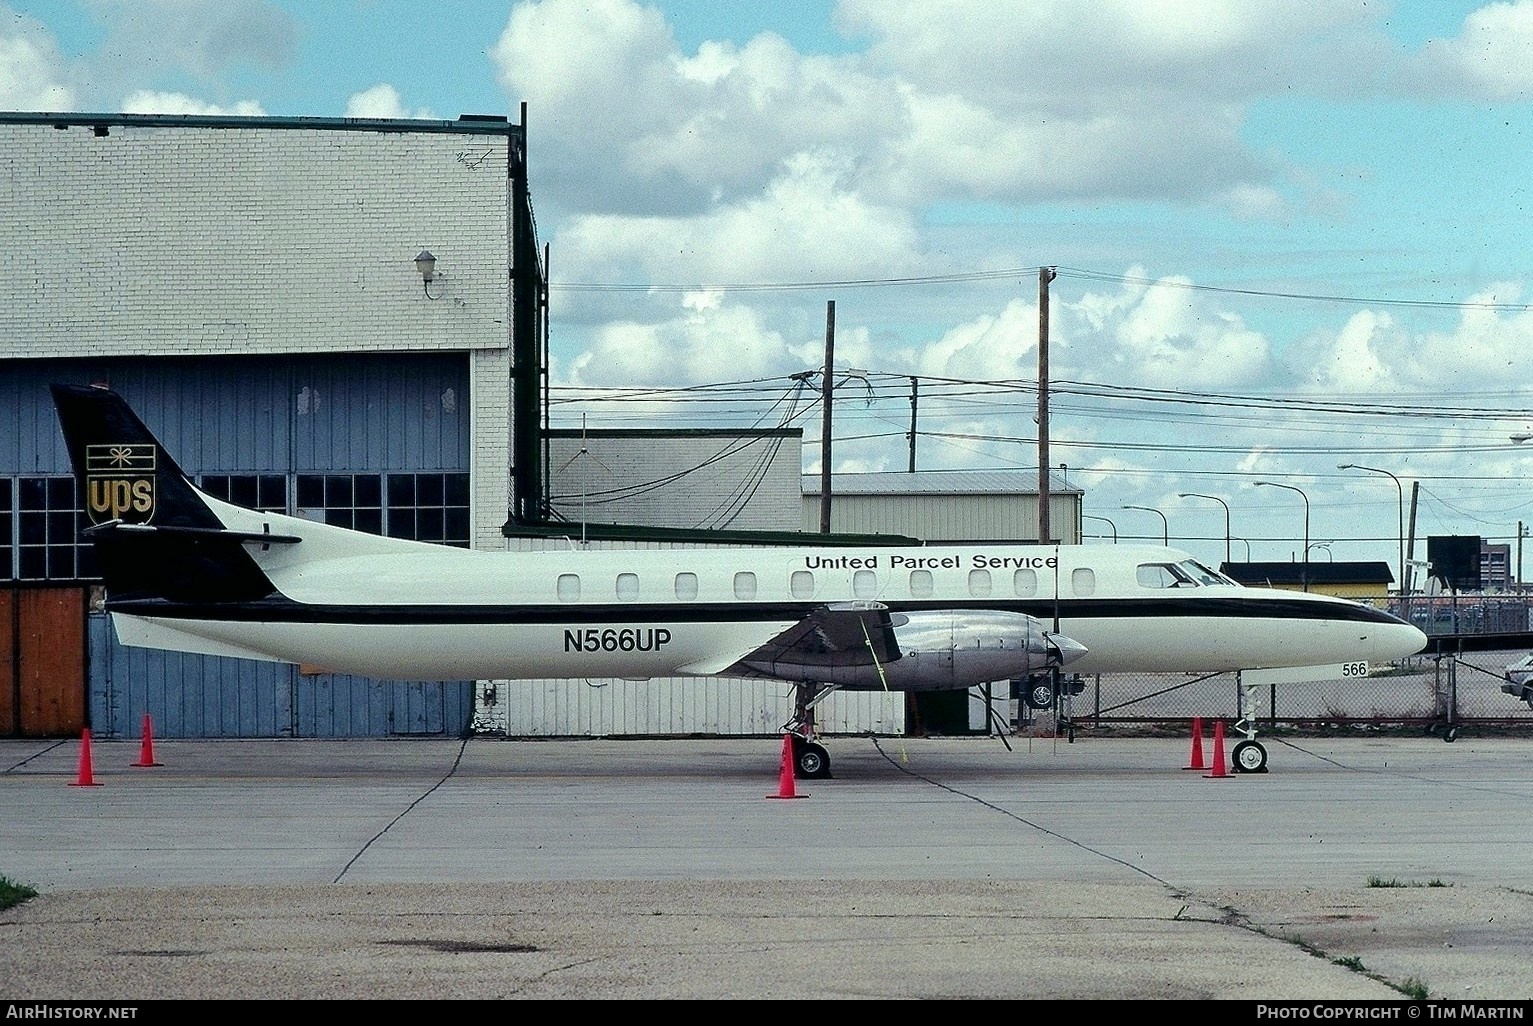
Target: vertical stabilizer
{"type": "Point", "coordinates": [154, 536]}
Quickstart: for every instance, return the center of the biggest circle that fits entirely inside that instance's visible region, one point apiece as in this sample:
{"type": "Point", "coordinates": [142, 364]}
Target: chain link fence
{"type": "Point", "coordinates": [1474, 689]}
{"type": "Point", "coordinates": [1423, 690]}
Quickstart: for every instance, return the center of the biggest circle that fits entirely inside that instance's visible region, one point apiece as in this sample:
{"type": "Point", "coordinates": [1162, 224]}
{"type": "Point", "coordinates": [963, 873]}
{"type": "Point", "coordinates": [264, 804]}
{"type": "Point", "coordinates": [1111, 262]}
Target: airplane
{"type": "Point", "coordinates": [187, 572]}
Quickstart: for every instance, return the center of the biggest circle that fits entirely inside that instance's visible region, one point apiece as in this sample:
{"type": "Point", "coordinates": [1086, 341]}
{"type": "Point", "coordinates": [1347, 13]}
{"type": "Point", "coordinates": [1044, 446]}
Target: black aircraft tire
{"type": "Point", "coordinates": [1249, 757]}
{"type": "Point", "coordinates": [1041, 696]}
{"type": "Point", "coordinates": [1451, 734]}
{"type": "Point", "coordinates": [811, 761]}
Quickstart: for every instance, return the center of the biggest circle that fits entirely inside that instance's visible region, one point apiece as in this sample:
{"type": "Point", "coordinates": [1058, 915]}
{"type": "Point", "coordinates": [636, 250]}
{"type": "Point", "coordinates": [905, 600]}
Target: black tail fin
{"type": "Point", "coordinates": [154, 536]}
{"type": "Point", "coordinates": [124, 473]}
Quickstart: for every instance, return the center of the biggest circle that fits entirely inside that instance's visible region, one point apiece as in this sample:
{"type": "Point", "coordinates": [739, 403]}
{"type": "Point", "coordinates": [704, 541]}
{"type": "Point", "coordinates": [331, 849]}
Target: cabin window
{"type": "Point", "coordinates": [864, 584]}
{"type": "Point", "coordinates": [628, 587]}
{"type": "Point", "coordinates": [745, 585]}
{"type": "Point", "coordinates": [801, 584]}
{"type": "Point", "coordinates": [1083, 581]}
{"type": "Point", "coordinates": [686, 586]}
{"type": "Point", "coordinates": [979, 583]}
{"type": "Point", "coordinates": [1024, 583]}
{"type": "Point", "coordinates": [568, 588]}
{"type": "Point", "coordinates": [921, 584]}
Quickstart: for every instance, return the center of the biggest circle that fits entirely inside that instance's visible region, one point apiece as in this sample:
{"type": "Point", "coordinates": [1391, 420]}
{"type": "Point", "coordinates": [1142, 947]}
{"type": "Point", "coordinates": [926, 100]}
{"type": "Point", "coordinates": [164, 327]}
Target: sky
{"type": "Point", "coordinates": [1285, 236]}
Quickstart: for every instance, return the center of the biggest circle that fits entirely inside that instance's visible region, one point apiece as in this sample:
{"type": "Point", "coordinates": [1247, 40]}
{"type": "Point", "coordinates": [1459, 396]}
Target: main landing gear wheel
{"type": "Point", "coordinates": [1249, 757]}
{"type": "Point", "coordinates": [1451, 734]}
{"type": "Point", "coordinates": [810, 759]}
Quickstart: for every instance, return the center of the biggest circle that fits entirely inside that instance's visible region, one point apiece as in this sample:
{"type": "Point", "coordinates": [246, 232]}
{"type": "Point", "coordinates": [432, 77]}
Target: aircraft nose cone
{"type": "Point", "coordinates": [1412, 639]}
{"type": "Point", "coordinates": [1394, 641]}
{"type": "Point", "coordinates": [1068, 648]}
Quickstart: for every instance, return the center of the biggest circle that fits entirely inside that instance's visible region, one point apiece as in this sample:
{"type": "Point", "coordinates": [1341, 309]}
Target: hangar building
{"type": "Point", "coordinates": [343, 319]}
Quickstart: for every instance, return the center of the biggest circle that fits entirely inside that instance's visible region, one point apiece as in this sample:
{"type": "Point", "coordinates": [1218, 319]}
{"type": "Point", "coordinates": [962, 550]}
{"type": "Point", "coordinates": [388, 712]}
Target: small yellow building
{"type": "Point", "coordinates": [1363, 581]}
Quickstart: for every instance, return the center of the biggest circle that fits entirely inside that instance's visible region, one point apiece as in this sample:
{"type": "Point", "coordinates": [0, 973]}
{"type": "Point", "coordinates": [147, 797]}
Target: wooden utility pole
{"type": "Point", "coordinates": [1045, 534]}
{"type": "Point", "coordinates": [913, 394]}
{"type": "Point", "coordinates": [826, 387]}
{"type": "Point", "coordinates": [1522, 532]}
{"type": "Point", "coordinates": [1410, 553]}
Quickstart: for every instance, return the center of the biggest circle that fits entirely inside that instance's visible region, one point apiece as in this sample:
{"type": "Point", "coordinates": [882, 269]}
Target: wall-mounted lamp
{"type": "Point", "coordinates": [425, 263]}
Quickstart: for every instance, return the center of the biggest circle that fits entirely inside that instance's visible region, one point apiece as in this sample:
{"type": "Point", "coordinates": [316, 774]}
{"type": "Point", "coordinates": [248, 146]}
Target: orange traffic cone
{"type": "Point", "coordinates": [146, 748]}
{"type": "Point", "coordinates": [1196, 761]}
{"type": "Point", "coordinates": [87, 778]}
{"type": "Point", "coordinates": [785, 784]}
{"type": "Point", "coordinates": [1217, 769]}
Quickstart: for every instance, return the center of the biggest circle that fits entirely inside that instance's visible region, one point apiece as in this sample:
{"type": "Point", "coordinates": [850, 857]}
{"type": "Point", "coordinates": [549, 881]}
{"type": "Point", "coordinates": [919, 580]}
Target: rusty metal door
{"type": "Point", "coordinates": [42, 662]}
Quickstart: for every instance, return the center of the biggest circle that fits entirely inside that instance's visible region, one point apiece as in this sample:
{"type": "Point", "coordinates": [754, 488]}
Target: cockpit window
{"type": "Point", "coordinates": [1187, 573]}
{"type": "Point", "coordinates": [1164, 575]}
{"type": "Point", "coordinates": [1202, 574]}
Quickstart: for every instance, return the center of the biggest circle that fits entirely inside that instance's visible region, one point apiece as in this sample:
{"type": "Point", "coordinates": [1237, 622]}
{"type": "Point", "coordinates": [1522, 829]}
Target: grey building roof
{"type": "Point", "coordinates": [940, 482]}
{"type": "Point", "coordinates": [1328, 572]}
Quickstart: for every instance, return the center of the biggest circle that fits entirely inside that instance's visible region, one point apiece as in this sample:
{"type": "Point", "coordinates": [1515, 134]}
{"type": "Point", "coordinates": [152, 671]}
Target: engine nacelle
{"type": "Point", "coordinates": [943, 650]}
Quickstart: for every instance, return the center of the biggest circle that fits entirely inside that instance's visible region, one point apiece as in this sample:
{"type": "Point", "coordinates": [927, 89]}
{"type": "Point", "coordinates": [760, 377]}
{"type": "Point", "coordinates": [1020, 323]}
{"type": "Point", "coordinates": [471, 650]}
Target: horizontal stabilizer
{"type": "Point", "coordinates": [258, 537]}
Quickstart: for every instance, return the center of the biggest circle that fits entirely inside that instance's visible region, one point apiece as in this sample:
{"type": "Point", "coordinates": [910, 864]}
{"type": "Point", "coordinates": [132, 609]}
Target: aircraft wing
{"type": "Point", "coordinates": [837, 634]}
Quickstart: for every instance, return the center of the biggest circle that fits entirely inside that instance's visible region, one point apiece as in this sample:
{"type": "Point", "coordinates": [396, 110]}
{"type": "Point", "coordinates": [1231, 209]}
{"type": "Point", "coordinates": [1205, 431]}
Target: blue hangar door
{"type": "Point", "coordinates": [374, 442]}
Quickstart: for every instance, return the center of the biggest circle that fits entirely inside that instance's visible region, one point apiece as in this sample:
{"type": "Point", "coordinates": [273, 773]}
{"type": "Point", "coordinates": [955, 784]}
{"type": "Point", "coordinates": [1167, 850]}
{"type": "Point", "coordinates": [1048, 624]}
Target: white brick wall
{"type": "Point", "coordinates": [490, 446]}
{"type": "Point", "coordinates": [187, 240]}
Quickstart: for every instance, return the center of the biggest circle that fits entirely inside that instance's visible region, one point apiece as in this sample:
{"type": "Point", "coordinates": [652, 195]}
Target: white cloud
{"type": "Point", "coordinates": [145, 39]}
{"type": "Point", "coordinates": [1374, 353]}
{"type": "Point", "coordinates": [203, 39]}
{"type": "Point", "coordinates": [705, 343]}
{"type": "Point", "coordinates": [1169, 339]}
{"type": "Point", "coordinates": [382, 101]}
{"type": "Point", "coordinates": [32, 73]}
{"type": "Point", "coordinates": [1487, 61]}
{"type": "Point", "coordinates": [147, 101]}
{"type": "Point", "coordinates": [1062, 100]}
{"type": "Point", "coordinates": [1053, 57]}
{"type": "Point", "coordinates": [1487, 345]}
{"type": "Point", "coordinates": [805, 225]}
{"type": "Point", "coordinates": [1354, 364]}
{"type": "Point", "coordinates": [1165, 336]}
{"type": "Point", "coordinates": [1000, 346]}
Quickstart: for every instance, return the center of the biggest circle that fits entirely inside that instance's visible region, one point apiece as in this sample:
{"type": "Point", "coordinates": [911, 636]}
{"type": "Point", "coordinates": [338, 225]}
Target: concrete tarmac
{"type": "Point", "coordinates": [1364, 867]}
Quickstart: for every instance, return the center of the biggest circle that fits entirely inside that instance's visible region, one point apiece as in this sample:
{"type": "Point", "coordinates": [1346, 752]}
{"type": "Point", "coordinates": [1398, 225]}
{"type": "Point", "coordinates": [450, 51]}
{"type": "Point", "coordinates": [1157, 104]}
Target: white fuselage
{"type": "Point", "coordinates": [357, 603]}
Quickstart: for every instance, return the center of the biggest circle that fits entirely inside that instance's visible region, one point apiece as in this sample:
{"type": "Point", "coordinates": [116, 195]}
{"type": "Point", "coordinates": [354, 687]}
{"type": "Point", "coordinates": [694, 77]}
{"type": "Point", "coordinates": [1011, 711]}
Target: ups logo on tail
{"type": "Point", "coordinates": [119, 483]}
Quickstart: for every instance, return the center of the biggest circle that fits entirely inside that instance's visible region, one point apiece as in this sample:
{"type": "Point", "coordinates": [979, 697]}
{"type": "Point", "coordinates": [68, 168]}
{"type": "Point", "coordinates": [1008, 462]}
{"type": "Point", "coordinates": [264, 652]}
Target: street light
{"type": "Point", "coordinates": [1165, 525]}
{"type": "Point", "coordinates": [1199, 495]}
{"type": "Point", "coordinates": [1405, 588]}
{"type": "Point", "coordinates": [1291, 488]}
{"type": "Point", "coordinates": [1109, 523]}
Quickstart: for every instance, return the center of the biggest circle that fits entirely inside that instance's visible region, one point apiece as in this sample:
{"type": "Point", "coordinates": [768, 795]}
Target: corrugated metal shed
{"type": "Point", "coordinates": [945, 505]}
{"type": "Point", "coordinates": [709, 479]}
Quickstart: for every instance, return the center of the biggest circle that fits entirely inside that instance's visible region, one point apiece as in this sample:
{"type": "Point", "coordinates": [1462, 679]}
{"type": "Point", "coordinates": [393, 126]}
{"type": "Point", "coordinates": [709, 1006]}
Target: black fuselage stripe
{"type": "Point", "coordinates": [279, 610]}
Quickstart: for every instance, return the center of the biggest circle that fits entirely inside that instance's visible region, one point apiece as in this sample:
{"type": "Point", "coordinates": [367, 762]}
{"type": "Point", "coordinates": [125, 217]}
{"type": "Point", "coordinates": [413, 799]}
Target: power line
{"type": "Point", "coordinates": [1018, 275]}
